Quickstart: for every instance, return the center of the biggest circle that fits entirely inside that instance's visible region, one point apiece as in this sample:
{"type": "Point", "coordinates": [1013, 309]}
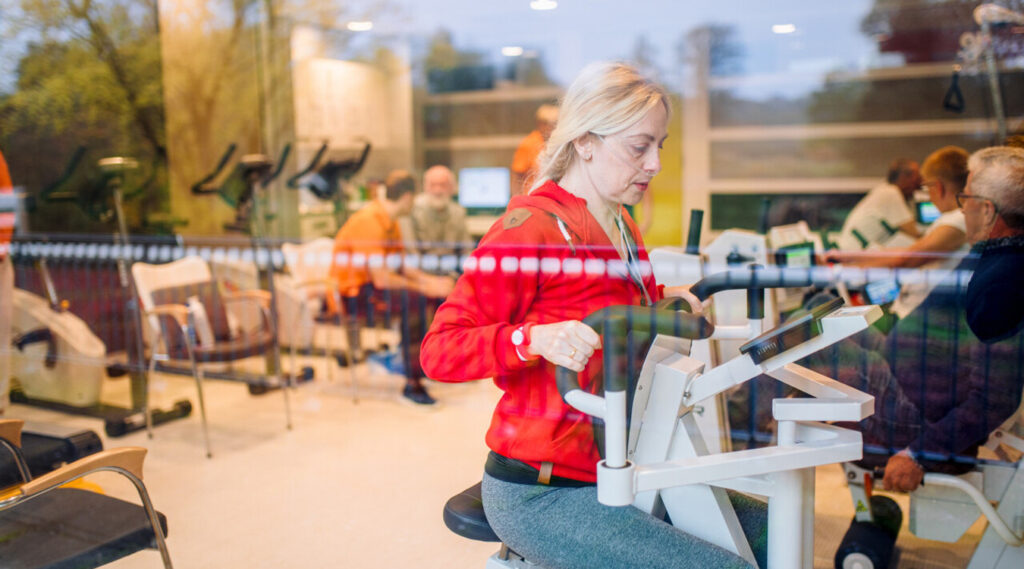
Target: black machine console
{"type": "Point", "coordinates": [790, 334]}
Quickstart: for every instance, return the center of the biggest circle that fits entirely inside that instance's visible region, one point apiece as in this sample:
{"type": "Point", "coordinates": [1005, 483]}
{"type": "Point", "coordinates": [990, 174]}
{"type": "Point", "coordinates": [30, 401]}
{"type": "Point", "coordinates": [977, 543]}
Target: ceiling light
{"type": "Point", "coordinates": [783, 28]}
{"type": "Point", "coordinates": [360, 26]}
{"type": "Point", "coordinates": [543, 4]}
{"type": "Point", "coordinates": [512, 51]}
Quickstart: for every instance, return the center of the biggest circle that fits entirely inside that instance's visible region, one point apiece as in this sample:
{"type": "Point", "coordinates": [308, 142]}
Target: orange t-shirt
{"type": "Point", "coordinates": [6, 219]}
{"type": "Point", "coordinates": [525, 160]}
{"type": "Point", "coordinates": [366, 239]}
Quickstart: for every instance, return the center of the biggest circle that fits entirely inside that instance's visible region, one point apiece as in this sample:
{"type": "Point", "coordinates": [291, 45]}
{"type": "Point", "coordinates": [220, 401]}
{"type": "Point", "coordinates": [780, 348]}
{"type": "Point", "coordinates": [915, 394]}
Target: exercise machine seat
{"type": "Point", "coordinates": [464, 515]}
{"type": "Point", "coordinates": [69, 527]}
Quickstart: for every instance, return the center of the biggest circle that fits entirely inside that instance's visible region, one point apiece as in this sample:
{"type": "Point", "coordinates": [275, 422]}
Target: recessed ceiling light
{"type": "Point", "coordinates": [543, 4]}
{"type": "Point", "coordinates": [783, 28]}
{"type": "Point", "coordinates": [360, 26]}
{"type": "Point", "coordinates": [512, 51]}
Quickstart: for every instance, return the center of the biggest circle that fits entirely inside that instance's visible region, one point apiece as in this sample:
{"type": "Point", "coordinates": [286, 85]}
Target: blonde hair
{"type": "Point", "coordinates": [606, 98]}
{"type": "Point", "coordinates": [949, 164]}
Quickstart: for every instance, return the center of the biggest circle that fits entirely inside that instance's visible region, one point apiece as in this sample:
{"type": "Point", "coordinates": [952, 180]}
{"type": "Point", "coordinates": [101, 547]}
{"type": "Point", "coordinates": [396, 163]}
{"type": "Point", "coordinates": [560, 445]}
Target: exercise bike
{"type": "Point", "coordinates": [60, 363]}
{"type": "Point", "coordinates": [654, 454]}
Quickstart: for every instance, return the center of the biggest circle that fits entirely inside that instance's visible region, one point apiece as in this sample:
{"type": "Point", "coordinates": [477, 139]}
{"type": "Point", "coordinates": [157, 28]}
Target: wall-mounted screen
{"type": "Point", "coordinates": [483, 188]}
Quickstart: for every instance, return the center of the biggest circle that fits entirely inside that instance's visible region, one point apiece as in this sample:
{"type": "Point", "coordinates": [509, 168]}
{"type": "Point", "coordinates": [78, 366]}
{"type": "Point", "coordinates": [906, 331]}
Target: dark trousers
{"type": "Point", "coordinates": [383, 307]}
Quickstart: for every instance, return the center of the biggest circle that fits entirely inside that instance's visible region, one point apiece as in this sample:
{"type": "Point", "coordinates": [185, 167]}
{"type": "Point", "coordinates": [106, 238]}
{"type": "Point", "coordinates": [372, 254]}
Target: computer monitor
{"type": "Point", "coordinates": [484, 190]}
{"type": "Point", "coordinates": [882, 292]}
{"type": "Point", "coordinates": [797, 255]}
{"type": "Point", "coordinates": [927, 212]}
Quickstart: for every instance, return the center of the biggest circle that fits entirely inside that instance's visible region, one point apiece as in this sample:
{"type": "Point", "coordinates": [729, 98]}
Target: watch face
{"type": "Point", "coordinates": [517, 337]}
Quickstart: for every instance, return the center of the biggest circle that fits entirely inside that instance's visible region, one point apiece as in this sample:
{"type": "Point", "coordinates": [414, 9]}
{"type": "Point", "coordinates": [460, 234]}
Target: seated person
{"type": "Point", "coordinates": [515, 316]}
{"type": "Point", "coordinates": [366, 264]}
{"type": "Point", "coordinates": [949, 373]}
{"type": "Point", "coordinates": [437, 225]}
{"type": "Point", "coordinates": [945, 174]}
{"type": "Point", "coordinates": [884, 210]}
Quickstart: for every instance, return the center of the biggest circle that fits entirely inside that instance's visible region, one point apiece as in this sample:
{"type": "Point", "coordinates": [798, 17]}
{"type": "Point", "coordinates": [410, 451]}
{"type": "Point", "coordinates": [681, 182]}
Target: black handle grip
{"type": "Point", "coordinates": [693, 236]}
{"type": "Point", "coordinates": [293, 182]}
{"type": "Point", "coordinates": [755, 299]}
{"type": "Point", "coordinates": [760, 278]}
{"type": "Point", "coordinates": [280, 165]}
{"type": "Point", "coordinates": [615, 322]}
{"type": "Point", "coordinates": [203, 186]}
{"type": "Point", "coordinates": [73, 162]}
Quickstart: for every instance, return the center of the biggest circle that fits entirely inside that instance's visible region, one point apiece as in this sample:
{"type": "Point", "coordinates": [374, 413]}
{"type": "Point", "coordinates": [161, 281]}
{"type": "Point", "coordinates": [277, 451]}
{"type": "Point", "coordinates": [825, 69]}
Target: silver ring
{"type": "Point", "coordinates": [572, 355]}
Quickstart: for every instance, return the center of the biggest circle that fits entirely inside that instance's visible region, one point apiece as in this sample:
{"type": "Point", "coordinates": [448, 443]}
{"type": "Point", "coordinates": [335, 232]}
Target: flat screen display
{"type": "Point", "coordinates": [882, 292]}
{"type": "Point", "coordinates": [927, 212]}
{"type": "Point", "coordinates": [483, 188]}
{"type": "Point", "coordinates": [800, 255]}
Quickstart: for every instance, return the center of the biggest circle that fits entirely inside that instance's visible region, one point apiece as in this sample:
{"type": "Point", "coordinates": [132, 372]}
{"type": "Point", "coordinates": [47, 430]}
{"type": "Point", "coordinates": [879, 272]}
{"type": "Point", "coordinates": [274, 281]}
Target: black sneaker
{"type": "Point", "coordinates": [418, 395]}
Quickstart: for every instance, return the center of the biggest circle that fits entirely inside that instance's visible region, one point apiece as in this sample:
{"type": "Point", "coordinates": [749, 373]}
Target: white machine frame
{"type": "Point", "coordinates": [944, 507]}
{"type": "Point", "coordinates": [661, 462]}
{"type": "Point", "coordinates": [670, 461]}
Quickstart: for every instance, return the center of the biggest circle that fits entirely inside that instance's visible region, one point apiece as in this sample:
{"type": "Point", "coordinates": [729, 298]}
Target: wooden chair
{"type": "Point", "coordinates": [188, 320]}
{"type": "Point", "coordinates": [44, 524]}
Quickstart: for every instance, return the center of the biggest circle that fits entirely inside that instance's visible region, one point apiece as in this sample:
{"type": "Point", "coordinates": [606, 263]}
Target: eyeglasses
{"type": "Point", "coordinates": [961, 198]}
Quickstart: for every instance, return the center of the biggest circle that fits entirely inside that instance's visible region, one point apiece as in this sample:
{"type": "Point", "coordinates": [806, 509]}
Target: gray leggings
{"type": "Point", "coordinates": [567, 528]}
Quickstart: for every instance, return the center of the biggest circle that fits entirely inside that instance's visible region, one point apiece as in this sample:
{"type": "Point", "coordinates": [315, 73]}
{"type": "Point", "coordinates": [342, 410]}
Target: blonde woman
{"type": "Point", "coordinates": [566, 249]}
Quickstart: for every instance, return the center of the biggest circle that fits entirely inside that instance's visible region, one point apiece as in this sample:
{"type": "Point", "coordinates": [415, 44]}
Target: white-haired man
{"type": "Point", "coordinates": [437, 225]}
{"type": "Point", "coordinates": [948, 374]}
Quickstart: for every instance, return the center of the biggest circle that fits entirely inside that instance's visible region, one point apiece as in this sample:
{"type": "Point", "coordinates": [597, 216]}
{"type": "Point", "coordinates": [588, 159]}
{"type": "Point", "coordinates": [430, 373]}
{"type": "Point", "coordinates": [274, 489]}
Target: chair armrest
{"type": "Point", "coordinates": [177, 311]}
{"type": "Point", "coordinates": [260, 296]}
{"type": "Point", "coordinates": [315, 282]}
{"type": "Point", "coordinates": [126, 458]}
{"type": "Point", "coordinates": [10, 429]}
{"type": "Point", "coordinates": [10, 440]}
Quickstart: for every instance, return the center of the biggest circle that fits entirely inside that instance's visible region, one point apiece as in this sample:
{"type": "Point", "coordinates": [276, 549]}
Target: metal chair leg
{"type": "Point", "coordinates": [197, 372]}
{"type": "Point", "coordinates": [145, 399]}
{"type": "Point", "coordinates": [286, 381]}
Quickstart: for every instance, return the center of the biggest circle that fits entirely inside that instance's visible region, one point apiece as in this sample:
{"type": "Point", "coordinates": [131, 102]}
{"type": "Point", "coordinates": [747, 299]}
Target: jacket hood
{"type": "Point", "coordinates": [569, 208]}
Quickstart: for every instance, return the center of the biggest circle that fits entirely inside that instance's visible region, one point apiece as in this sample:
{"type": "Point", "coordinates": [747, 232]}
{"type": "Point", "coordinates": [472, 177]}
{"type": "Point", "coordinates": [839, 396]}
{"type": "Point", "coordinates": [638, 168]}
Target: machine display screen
{"type": "Point", "coordinates": [927, 212]}
{"type": "Point", "coordinates": [882, 292]}
{"type": "Point", "coordinates": [799, 255]}
{"type": "Point", "coordinates": [483, 188]}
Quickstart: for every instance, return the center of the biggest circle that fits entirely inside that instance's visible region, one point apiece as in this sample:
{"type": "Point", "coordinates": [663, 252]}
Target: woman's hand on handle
{"type": "Point", "coordinates": [683, 291]}
{"type": "Point", "coordinates": [570, 343]}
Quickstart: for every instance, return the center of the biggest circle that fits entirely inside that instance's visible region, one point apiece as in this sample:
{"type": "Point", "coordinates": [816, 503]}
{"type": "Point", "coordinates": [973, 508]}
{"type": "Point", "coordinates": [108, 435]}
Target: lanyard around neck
{"type": "Point", "coordinates": [632, 259]}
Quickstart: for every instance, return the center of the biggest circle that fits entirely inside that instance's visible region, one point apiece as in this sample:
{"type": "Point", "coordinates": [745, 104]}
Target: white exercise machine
{"type": "Point", "coordinates": [655, 456]}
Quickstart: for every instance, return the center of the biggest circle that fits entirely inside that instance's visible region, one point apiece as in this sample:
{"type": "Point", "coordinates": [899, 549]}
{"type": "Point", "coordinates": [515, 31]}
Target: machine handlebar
{"type": "Point", "coordinates": [280, 165]}
{"type": "Point", "coordinates": [204, 185]}
{"type": "Point", "coordinates": [615, 322]}
{"type": "Point", "coordinates": [293, 182]}
{"type": "Point", "coordinates": [759, 278]}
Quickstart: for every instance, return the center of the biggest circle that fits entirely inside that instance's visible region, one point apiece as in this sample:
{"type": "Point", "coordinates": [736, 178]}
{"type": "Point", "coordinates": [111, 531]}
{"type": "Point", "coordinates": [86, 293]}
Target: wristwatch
{"type": "Point", "coordinates": [521, 341]}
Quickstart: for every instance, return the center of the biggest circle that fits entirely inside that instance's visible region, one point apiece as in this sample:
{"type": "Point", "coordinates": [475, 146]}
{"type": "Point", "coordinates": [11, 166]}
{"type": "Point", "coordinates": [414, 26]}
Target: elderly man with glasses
{"type": "Point", "coordinates": [948, 374]}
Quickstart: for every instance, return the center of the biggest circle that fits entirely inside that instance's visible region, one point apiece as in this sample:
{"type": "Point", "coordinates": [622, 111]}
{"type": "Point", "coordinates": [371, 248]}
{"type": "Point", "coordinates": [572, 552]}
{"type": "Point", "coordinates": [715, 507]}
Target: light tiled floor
{"type": "Point", "coordinates": [353, 485]}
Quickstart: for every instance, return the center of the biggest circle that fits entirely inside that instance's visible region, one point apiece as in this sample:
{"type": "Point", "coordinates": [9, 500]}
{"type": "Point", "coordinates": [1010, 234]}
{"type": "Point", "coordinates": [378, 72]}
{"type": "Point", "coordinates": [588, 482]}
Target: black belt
{"type": "Point", "coordinates": [518, 472]}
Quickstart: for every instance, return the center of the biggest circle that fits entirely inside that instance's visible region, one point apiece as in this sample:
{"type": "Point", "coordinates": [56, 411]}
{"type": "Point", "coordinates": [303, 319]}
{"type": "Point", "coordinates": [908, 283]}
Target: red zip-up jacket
{"type": "Point", "coordinates": [528, 268]}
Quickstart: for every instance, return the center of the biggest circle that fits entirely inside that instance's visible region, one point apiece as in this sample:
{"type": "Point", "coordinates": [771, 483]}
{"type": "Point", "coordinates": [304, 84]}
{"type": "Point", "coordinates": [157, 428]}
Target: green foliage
{"type": "Point", "coordinates": [89, 75]}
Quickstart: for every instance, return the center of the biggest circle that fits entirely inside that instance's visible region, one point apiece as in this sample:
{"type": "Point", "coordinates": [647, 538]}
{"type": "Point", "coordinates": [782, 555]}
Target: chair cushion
{"type": "Point", "coordinates": [464, 515]}
{"type": "Point", "coordinates": [69, 527]}
{"type": "Point", "coordinates": [235, 348]}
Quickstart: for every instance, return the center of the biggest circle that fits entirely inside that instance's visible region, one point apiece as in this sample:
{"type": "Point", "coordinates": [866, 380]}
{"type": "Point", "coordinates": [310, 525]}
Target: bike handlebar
{"type": "Point", "coordinates": [614, 323]}
{"type": "Point", "coordinates": [203, 186]}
